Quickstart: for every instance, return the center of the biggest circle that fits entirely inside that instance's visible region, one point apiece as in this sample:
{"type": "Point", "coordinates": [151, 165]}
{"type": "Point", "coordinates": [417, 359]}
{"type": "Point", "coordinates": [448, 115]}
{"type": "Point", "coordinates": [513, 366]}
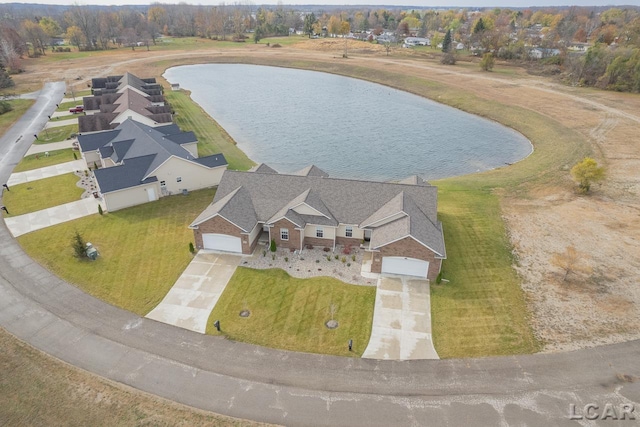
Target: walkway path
{"type": "Point", "coordinates": [46, 172]}
{"type": "Point", "coordinates": [52, 146]}
{"type": "Point", "coordinates": [190, 301]}
{"type": "Point", "coordinates": [401, 321]}
{"type": "Point", "coordinates": [61, 123]}
{"type": "Point", "coordinates": [23, 224]}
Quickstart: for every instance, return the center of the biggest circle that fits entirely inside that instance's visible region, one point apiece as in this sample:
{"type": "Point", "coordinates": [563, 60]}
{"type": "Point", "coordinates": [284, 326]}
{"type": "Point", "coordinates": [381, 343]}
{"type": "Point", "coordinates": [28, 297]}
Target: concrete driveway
{"type": "Point", "coordinates": [46, 172]}
{"type": "Point", "coordinates": [23, 224]}
{"type": "Point", "coordinates": [401, 320]}
{"type": "Point", "coordinates": [190, 301]}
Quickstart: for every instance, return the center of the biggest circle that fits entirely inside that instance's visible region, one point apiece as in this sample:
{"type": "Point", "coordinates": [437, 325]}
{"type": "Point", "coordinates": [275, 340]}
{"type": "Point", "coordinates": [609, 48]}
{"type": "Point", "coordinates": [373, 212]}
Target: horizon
{"type": "Point", "coordinates": [355, 3]}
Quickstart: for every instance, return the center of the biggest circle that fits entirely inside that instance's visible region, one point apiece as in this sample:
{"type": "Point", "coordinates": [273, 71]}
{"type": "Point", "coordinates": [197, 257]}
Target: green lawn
{"type": "Point", "coordinates": [41, 194]}
{"type": "Point", "coordinates": [56, 134]}
{"type": "Point", "coordinates": [30, 162]}
{"type": "Point", "coordinates": [143, 249]}
{"type": "Point", "coordinates": [64, 107]}
{"type": "Point", "coordinates": [65, 117]}
{"type": "Point", "coordinates": [20, 106]}
{"type": "Point", "coordinates": [481, 311]}
{"type": "Point", "coordinates": [211, 137]}
{"type": "Point", "coordinates": [290, 313]}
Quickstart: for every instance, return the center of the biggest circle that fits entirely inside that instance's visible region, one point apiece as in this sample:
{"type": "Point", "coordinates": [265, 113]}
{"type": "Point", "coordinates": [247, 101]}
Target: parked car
{"type": "Point", "coordinates": [76, 109]}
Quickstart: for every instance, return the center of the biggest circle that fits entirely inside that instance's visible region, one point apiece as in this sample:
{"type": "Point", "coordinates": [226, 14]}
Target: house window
{"type": "Point", "coordinates": [179, 179]}
{"type": "Point", "coordinates": [319, 232]}
{"type": "Point", "coordinates": [284, 234]}
{"type": "Point", "coordinates": [348, 231]}
{"type": "Point", "coordinates": [163, 183]}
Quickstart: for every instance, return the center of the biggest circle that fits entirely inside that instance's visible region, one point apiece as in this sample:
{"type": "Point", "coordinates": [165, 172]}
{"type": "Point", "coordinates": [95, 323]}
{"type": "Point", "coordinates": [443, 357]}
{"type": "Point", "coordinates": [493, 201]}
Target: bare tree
{"type": "Point", "coordinates": [570, 261]}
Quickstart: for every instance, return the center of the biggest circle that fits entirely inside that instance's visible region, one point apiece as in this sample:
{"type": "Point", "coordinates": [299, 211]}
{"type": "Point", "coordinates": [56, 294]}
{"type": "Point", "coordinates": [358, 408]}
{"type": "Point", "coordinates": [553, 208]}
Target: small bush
{"type": "Point", "coordinates": [439, 278]}
{"type": "Point", "coordinates": [273, 257]}
{"type": "Point", "coordinates": [348, 264]}
{"type": "Point", "coordinates": [317, 261]}
{"type": "Point", "coordinates": [286, 259]}
{"type": "Point", "coordinates": [272, 246]}
{"type": "Point", "coordinates": [326, 249]}
{"type": "Point", "coordinates": [191, 248]}
{"type": "Point", "coordinates": [353, 258]}
{"type": "Point", "coordinates": [101, 213]}
{"type": "Point", "coordinates": [75, 156]}
{"type": "Point", "coordinates": [328, 257]}
{"type": "Point", "coordinates": [264, 253]}
{"type": "Point", "coordinates": [276, 45]}
{"type": "Point", "coordinates": [344, 259]}
{"type": "Point", "coordinates": [336, 256]}
{"type": "Point", "coordinates": [347, 249]}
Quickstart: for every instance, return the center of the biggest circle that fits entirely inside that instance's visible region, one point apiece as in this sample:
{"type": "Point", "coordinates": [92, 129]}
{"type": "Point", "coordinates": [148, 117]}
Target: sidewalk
{"type": "Point", "coordinates": [52, 146]}
{"type": "Point", "coordinates": [46, 172]}
{"type": "Point", "coordinates": [23, 224]}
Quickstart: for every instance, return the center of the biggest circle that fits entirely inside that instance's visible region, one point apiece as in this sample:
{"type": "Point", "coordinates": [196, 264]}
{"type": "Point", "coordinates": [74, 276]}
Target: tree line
{"type": "Point", "coordinates": [611, 36]}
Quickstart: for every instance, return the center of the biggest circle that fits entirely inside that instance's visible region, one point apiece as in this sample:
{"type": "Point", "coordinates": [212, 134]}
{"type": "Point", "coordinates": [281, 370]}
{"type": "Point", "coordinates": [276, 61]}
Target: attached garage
{"type": "Point", "coordinates": [405, 266]}
{"type": "Point", "coordinates": [221, 242]}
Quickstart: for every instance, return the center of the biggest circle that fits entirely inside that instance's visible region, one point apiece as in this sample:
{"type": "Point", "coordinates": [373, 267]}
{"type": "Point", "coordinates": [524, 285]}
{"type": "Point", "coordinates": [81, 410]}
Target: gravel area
{"type": "Point", "coordinates": [312, 263]}
{"type": "Point", "coordinates": [86, 182]}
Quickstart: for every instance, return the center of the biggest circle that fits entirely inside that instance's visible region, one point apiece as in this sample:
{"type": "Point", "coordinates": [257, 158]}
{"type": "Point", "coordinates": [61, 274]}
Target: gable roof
{"type": "Point", "coordinates": [311, 170]}
{"type": "Point", "coordinates": [343, 201]}
{"type": "Point", "coordinates": [127, 175]}
{"type": "Point", "coordinates": [264, 168]}
{"type": "Point", "coordinates": [236, 207]}
{"type": "Point", "coordinates": [132, 140]}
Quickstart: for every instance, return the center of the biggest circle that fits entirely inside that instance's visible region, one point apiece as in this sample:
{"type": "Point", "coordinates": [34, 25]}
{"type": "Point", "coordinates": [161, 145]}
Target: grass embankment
{"type": "Point", "coordinates": [20, 106]}
{"type": "Point", "coordinates": [37, 161]}
{"type": "Point", "coordinates": [143, 249]}
{"type": "Point", "coordinates": [36, 389]}
{"type": "Point", "coordinates": [56, 134]}
{"type": "Point", "coordinates": [42, 194]}
{"type": "Point", "coordinates": [212, 139]}
{"type": "Point", "coordinates": [290, 313]}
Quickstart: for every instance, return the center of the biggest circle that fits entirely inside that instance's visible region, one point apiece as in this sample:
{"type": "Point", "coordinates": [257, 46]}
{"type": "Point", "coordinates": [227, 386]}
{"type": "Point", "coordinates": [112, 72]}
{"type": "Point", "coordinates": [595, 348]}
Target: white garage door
{"type": "Point", "coordinates": [405, 266]}
{"type": "Point", "coordinates": [221, 242]}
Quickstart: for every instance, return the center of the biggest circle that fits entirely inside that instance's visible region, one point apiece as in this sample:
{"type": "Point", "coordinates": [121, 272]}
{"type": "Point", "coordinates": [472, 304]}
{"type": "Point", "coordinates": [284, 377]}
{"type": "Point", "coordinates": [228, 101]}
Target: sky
{"type": "Point", "coordinates": [446, 4]}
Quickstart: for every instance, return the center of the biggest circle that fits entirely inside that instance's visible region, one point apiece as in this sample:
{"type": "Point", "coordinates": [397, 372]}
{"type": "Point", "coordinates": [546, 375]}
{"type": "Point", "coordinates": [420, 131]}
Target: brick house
{"type": "Point", "coordinates": [395, 222]}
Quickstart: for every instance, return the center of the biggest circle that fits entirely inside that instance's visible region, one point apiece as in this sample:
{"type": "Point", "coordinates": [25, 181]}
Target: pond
{"type": "Point", "coordinates": [350, 128]}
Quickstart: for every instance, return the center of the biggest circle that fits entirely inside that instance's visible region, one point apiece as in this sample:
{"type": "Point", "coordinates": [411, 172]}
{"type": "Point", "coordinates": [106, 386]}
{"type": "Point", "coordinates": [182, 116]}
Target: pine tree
{"type": "Point", "coordinates": [446, 43]}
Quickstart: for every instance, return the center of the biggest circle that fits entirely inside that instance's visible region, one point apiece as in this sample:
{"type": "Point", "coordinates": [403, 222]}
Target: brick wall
{"type": "Point", "coordinates": [294, 235]}
{"type": "Point", "coordinates": [318, 242]}
{"type": "Point", "coordinates": [217, 225]}
{"type": "Point", "coordinates": [343, 241]}
{"type": "Point", "coordinates": [409, 248]}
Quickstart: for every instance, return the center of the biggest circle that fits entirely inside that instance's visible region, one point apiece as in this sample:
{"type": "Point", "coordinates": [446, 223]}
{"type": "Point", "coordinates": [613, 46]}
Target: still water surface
{"type": "Point", "coordinates": [348, 127]}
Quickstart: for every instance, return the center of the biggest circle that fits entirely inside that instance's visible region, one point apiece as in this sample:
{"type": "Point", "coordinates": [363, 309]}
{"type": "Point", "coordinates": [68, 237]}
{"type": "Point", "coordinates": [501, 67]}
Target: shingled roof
{"type": "Point", "coordinates": [112, 106]}
{"type": "Point", "coordinates": [340, 201]}
{"type": "Point", "coordinates": [133, 140]}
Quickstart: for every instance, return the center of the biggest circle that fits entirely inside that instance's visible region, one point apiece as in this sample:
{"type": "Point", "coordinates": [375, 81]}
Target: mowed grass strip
{"type": "Point", "coordinates": [481, 311]}
{"type": "Point", "coordinates": [143, 250]}
{"type": "Point", "coordinates": [37, 161]}
{"type": "Point", "coordinates": [20, 106]}
{"type": "Point", "coordinates": [212, 139]}
{"type": "Point", "coordinates": [290, 313]}
{"type": "Point", "coordinates": [56, 134]}
{"type": "Point", "coordinates": [42, 194]}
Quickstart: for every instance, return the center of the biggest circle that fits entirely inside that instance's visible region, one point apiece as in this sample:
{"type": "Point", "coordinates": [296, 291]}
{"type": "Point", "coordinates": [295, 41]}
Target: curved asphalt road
{"type": "Point", "coordinates": [256, 383]}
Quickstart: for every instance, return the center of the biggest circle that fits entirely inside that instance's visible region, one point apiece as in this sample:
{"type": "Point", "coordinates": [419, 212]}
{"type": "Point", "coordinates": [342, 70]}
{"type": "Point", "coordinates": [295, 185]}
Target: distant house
{"type": "Point", "coordinates": [395, 223]}
{"type": "Point", "coordinates": [540, 53]}
{"type": "Point", "coordinates": [107, 111]}
{"type": "Point", "coordinates": [139, 163]}
{"type": "Point", "coordinates": [417, 41]}
{"type": "Point", "coordinates": [578, 47]}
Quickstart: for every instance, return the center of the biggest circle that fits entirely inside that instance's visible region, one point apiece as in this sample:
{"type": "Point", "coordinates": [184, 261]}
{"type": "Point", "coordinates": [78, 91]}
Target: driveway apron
{"type": "Point", "coordinates": [23, 224]}
{"type": "Point", "coordinates": [401, 320]}
{"type": "Point", "coordinates": [190, 301]}
{"type": "Point", "coordinates": [46, 172]}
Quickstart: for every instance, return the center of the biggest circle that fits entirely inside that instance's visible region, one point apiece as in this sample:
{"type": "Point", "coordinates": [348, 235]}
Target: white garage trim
{"type": "Point", "coordinates": [221, 242]}
{"type": "Point", "coordinates": [405, 266]}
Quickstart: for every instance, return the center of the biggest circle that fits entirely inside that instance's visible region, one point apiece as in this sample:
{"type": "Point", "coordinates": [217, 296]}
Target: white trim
{"type": "Point", "coordinates": [195, 227]}
{"type": "Point", "coordinates": [284, 231]}
{"type": "Point", "coordinates": [271, 223]}
{"type": "Point", "coordinates": [186, 160]}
